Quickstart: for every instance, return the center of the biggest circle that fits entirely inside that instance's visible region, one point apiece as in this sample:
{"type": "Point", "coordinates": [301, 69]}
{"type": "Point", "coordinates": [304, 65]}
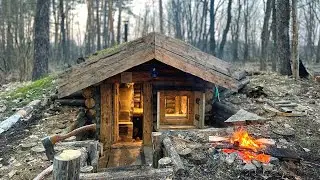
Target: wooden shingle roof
{"type": "Point", "coordinates": [173, 52]}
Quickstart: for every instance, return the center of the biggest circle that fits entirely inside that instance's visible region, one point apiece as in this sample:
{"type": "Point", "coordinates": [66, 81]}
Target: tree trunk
{"type": "Point", "coordinates": [41, 39]}
{"type": "Point", "coordinates": [177, 18]}
{"type": "Point", "coordinates": [318, 50]}
{"type": "Point", "coordinates": [119, 23]}
{"type": "Point", "coordinates": [105, 24]}
{"type": "Point", "coordinates": [161, 17]}
{"type": "Point", "coordinates": [226, 30]}
{"type": "Point", "coordinates": [274, 56]}
{"type": "Point", "coordinates": [265, 37]}
{"type": "Point", "coordinates": [295, 40]}
{"type": "Point", "coordinates": [62, 30]}
{"type": "Point", "coordinates": [283, 19]}
{"type": "Point", "coordinates": [236, 39]}
{"type": "Point", "coordinates": [246, 22]}
{"type": "Point", "coordinates": [98, 26]}
{"type": "Point", "coordinates": [110, 19]}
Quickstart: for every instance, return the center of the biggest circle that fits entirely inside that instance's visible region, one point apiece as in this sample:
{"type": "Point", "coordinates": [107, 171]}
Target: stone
{"type": "Point", "coordinates": [306, 149]}
{"type": "Point", "coordinates": [249, 167]}
{"type": "Point", "coordinates": [46, 114]}
{"type": "Point", "coordinates": [284, 141]}
{"type": "Point", "coordinates": [57, 131]}
{"type": "Point", "coordinates": [86, 169]}
{"type": "Point", "coordinates": [198, 158]}
{"type": "Point", "coordinates": [17, 164]}
{"type": "Point", "coordinates": [231, 157]}
{"type": "Point", "coordinates": [256, 163]}
{"type": "Point", "coordinates": [185, 152]}
{"type": "Point", "coordinates": [37, 149]}
{"type": "Point", "coordinates": [12, 173]}
{"type": "Point", "coordinates": [61, 126]}
{"type": "Point", "coordinates": [1, 165]}
{"type": "Point", "coordinates": [284, 131]}
{"type": "Point", "coordinates": [164, 162]}
{"type": "Point", "coordinates": [27, 146]}
{"type": "Point", "coordinates": [274, 160]}
{"type": "Point", "coordinates": [3, 108]}
{"type": "Point", "coordinates": [287, 126]}
{"type": "Point", "coordinates": [267, 167]}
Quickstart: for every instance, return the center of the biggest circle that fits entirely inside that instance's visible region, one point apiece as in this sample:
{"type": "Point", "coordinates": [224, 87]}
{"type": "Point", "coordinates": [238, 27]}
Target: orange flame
{"type": "Point", "coordinates": [243, 139]}
{"type": "Point", "coordinates": [246, 143]}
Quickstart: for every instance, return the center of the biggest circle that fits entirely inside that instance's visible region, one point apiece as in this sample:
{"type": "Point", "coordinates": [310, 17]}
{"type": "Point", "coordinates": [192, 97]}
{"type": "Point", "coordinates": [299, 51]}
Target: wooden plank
{"type": "Point", "coordinates": [175, 60]}
{"type": "Point", "coordinates": [158, 110]}
{"type": "Point", "coordinates": [202, 110]}
{"type": "Point", "coordinates": [170, 51]}
{"type": "Point", "coordinates": [106, 114]}
{"type": "Point", "coordinates": [196, 107]}
{"type": "Point", "coordinates": [116, 112]}
{"type": "Point", "coordinates": [147, 113]}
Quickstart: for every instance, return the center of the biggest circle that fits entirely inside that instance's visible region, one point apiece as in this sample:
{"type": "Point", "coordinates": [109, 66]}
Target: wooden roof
{"type": "Point", "coordinates": [178, 54]}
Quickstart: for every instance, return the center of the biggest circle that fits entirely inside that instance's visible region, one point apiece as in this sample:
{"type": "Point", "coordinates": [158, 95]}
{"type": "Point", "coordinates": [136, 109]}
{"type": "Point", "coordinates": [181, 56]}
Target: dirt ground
{"type": "Point", "coordinates": [20, 163]}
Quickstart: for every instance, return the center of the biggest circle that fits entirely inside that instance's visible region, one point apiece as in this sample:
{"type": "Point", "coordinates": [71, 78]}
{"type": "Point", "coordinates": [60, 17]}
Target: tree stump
{"type": "Point", "coordinates": [66, 165]}
{"type": "Point", "coordinates": [156, 150]}
{"type": "Point", "coordinates": [164, 162]}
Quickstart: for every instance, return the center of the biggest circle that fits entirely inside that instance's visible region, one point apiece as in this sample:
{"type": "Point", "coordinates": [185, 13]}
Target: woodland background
{"type": "Point", "coordinates": [42, 36]}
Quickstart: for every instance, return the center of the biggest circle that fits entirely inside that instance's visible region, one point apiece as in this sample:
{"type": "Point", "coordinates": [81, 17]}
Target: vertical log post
{"type": "Point", "coordinates": [66, 165]}
{"type": "Point", "coordinates": [106, 115]}
{"type": "Point", "coordinates": [147, 113]}
{"type": "Point", "coordinates": [156, 148]}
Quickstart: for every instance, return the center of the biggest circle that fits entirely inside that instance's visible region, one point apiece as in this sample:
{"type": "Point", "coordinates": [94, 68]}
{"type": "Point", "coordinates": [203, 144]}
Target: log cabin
{"type": "Point", "coordinates": [150, 84]}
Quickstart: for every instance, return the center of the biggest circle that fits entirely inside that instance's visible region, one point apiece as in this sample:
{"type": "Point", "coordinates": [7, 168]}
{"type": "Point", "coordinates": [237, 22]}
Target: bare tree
{"type": "Point", "coordinates": [212, 28]}
{"type": "Point", "coordinates": [226, 30]}
{"type": "Point", "coordinates": [110, 20]}
{"type": "Point", "coordinates": [161, 16]}
{"type": "Point", "coordinates": [119, 22]}
{"type": "Point", "coordinates": [283, 19]}
{"type": "Point", "coordinates": [265, 34]}
{"type": "Point", "coordinates": [295, 40]}
{"type": "Point", "coordinates": [41, 39]}
{"type": "Point", "coordinates": [274, 56]}
{"type": "Point", "coordinates": [98, 25]}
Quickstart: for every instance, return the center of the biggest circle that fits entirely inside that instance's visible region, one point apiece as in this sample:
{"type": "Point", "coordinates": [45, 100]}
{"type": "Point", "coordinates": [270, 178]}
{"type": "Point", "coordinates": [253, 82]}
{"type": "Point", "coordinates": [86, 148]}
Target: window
{"type": "Point", "coordinates": [176, 106]}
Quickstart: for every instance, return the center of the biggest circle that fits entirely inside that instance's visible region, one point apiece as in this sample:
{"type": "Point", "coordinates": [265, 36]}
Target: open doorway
{"type": "Point", "coordinates": [130, 113]}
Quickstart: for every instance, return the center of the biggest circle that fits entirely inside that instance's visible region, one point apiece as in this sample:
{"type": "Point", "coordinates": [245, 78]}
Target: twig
{"type": "Point", "coordinates": [44, 173]}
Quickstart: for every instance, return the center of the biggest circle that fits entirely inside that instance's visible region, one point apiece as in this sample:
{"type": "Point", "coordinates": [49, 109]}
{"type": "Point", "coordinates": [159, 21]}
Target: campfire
{"type": "Point", "coordinates": [247, 147]}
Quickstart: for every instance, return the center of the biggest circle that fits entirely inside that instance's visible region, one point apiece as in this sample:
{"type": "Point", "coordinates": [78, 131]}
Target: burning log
{"type": "Point", "coordinates": [179, 169]}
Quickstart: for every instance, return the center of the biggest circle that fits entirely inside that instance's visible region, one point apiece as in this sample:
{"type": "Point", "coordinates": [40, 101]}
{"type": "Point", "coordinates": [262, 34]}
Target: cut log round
{"type": "Point", "coordinates": [165, 162]}
{"type": "Point", "coordinates": [87, 93]}
{"type": "Point", "coordinates": [90, 103]}
{"type": "Point", "coordinates": [91, 112]}
{"type": "Point", "coordinates": [179, 168]}
{"type": "Point", "coordinates": [66, 165]}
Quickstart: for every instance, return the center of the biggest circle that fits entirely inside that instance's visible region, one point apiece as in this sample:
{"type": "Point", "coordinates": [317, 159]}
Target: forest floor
{"type": "Point", "coordinates": [20, 162]}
